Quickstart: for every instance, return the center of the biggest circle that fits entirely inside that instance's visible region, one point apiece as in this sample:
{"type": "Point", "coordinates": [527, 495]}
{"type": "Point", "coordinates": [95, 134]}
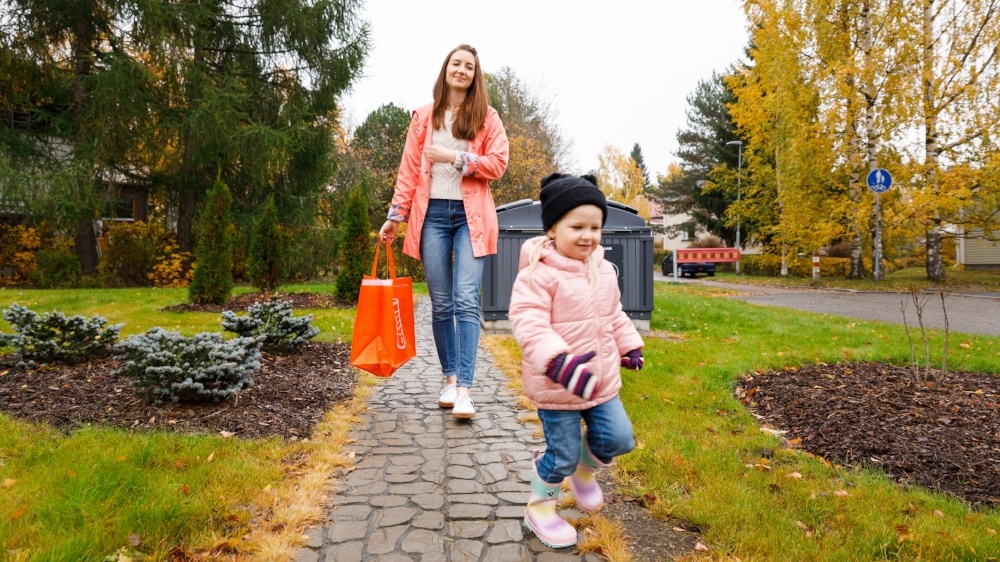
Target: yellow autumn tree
{"type": "Point", "coordinates": [958, 80]}
{"type": "Point", "coordinates": [793, 198]}
{"type": "Point", "coordinates": [823, 102]}
{"type": "Point", "coordinates": [537, 147]}
{"type": "Point", "coordinates": [621, 179]}
{"type": "Point", "coordinates": [529, 162]}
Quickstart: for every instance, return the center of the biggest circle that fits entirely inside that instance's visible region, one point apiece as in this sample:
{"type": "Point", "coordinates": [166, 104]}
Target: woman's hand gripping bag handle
{"type": "Point", "coordinates": [383, 327]}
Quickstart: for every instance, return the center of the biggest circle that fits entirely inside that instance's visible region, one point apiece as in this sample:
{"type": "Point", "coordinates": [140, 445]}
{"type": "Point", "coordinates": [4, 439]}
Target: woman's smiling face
{"type": "Point", "coordinates": [461, 70]}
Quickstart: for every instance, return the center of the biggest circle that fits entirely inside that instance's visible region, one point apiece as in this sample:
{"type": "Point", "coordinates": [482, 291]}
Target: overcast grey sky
{"type": "Point", "coordinates": [616, 73]}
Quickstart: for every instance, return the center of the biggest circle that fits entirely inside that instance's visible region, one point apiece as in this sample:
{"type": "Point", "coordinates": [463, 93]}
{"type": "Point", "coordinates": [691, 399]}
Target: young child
{"type": "Point", "coordinates": [566, 314]}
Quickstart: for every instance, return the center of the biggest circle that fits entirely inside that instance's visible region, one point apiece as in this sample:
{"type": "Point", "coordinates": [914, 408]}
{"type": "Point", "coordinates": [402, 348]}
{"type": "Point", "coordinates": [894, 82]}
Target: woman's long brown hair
{"type": "Point", "coordinates": [472, 113]}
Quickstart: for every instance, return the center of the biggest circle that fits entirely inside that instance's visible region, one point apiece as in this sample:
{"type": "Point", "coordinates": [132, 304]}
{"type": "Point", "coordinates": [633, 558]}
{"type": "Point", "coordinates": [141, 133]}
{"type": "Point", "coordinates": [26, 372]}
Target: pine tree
{"type": "Point", "coordinates": [165, 96]}
{"type": "Point", "coordinates": [355, 246]}
{"type": "Point", "coordinates": [267, 264]}
{"type": "Point", "coordinates": [213, 272]}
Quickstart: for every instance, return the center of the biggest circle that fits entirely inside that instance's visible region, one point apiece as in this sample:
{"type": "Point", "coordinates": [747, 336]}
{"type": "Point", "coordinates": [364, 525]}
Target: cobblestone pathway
{"type": "Point", "coordinates": [428, 487]}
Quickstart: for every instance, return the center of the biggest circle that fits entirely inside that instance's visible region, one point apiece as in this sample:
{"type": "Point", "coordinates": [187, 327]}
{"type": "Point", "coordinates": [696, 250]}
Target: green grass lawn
{"type": "Point", "coordinates": [700, 452]}
{"type": "Point", "coordinates": [901, 280]}
{"type": "Point", "coordinates": [140, 309]}
{"type": "Point", "coordinates": [82, 495]}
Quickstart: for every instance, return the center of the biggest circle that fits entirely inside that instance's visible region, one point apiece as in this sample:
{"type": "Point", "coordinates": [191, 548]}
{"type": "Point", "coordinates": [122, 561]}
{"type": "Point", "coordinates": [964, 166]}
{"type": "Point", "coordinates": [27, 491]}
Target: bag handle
{"type": "Point", "coordinates": [388, 256]}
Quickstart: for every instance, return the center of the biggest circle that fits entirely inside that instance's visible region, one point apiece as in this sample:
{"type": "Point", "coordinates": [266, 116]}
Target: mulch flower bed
{"type": "Point", "coordinates": [291, 392]}
{"type": "Point", "coordinates": [290, 395]}
{"type": "Point", "coordinates": [943, 433]}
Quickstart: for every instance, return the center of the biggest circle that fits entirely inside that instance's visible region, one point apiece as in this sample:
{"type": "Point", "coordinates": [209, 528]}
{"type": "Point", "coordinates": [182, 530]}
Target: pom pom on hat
{"type": "Point", "coordinates": [561, 193]}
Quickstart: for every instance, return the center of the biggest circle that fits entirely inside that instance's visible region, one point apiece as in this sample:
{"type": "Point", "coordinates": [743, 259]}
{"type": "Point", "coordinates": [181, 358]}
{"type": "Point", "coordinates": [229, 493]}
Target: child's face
{"type": "Point", "coordinates": [578, 232]}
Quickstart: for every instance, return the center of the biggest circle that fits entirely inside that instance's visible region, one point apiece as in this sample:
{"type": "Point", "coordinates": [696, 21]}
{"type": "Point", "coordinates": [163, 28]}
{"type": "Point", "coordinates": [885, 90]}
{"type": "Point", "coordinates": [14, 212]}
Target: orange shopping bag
{"type": "Point", "coordinates": [383, 328]}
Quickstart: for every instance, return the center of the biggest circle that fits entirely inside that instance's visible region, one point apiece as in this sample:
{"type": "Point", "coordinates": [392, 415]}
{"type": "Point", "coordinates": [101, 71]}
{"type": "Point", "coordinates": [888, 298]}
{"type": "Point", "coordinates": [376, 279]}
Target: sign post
{"type": "Point", "coordinates": [815, 267]}
{"type": "Point", "coordinates": [879, 181]}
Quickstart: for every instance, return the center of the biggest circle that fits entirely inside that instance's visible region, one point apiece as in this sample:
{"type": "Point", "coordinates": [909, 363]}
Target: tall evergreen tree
{"type": "Point", "coordinates": [76, 108]}
{"type": "Point", "coordinates": [377, 147]}
{"type": "Point", "coordinates": [355, 246]}
{"type": "Point", "coordinates": [172, 95]}
{"type": "Point", "coordinates": [640, 164]}
{"type": "Point", "coordinates": [213, 271]}
{"type": "Point", "coordinates": [267, 268]}
{"type": "Point", "coordinates": [702, 149]}
{"type": "Point", "coordinates": [255, 97]}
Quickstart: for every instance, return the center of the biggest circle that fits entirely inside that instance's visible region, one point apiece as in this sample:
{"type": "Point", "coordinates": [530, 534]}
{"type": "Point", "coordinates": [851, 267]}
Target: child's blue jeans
{"type": "Point", "coordinates": [609, 434]}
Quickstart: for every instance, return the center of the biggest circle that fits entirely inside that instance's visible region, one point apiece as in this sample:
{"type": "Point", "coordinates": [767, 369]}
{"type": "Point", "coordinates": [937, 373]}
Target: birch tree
{"type": "Point", "coordinates": [959, 83]}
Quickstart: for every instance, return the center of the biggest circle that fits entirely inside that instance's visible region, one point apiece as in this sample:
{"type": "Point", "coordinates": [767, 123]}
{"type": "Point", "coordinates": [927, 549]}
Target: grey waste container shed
{"type": "Point", "coordinates": [628, 245]}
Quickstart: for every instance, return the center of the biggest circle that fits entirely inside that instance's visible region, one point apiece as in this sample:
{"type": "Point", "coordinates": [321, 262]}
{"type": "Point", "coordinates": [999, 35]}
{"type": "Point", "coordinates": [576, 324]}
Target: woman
{"type": "Point", "coordinates": [454, 147]}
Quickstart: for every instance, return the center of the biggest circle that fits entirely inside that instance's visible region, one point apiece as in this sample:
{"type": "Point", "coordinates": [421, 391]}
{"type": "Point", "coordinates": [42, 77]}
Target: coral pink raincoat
{"type": "Point", "coordinates": [485, 161]}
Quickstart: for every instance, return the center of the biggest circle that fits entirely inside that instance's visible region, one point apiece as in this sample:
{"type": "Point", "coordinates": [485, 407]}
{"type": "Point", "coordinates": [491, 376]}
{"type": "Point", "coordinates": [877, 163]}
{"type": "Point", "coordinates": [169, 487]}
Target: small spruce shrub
{"type": "Point", "coordinates": [274, 322]}
{"type": "Point", "coordinates": [204, 367]}
{"type": "Point", "coordinates": [39, 340]}
{"type": "Point", "coordinates": [213, 270]}
{"type": "Point", "coordinates": [267, 266]}
{"type": "Point", "coordinates": [355, 247]}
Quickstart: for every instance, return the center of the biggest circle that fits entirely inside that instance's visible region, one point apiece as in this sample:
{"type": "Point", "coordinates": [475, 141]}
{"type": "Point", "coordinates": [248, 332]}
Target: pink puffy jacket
{"type": "Point", "coordinates": [485, 161]}
{"type": "Point", "coordinates": [554, 309]}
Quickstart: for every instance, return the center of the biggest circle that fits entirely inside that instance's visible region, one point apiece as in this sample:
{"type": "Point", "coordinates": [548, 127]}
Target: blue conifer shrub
{"type": "Point", "coordinates": [273, 321]}
{"type": "Point", "coordinates": [200, 368]}
{"type": "Point", "coordinates": [40, 340]}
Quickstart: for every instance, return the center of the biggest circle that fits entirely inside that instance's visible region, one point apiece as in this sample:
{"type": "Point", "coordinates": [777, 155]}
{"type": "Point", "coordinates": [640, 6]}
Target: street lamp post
{"type": "Point", "coordinates": [739, 189]}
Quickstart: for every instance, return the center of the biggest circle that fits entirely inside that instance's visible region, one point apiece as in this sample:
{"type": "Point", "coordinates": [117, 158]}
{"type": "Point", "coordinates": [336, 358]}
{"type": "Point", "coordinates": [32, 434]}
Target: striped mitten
{"type": "Point", "coordinates": [633, 360]}
{"type": "Point", "coordinates": [570, 371]}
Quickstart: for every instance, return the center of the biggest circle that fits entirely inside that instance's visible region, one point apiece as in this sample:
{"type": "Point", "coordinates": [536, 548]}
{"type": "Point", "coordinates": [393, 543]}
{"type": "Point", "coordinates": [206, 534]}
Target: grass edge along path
{"type": "Point", "coordinates": [282, 486]}
{"type": "Point", "coordinates": [299, 501]}
{"type": "Point", "coordinates": [701, 456]}
{"type": "Point", "coordinates": [255, 504]}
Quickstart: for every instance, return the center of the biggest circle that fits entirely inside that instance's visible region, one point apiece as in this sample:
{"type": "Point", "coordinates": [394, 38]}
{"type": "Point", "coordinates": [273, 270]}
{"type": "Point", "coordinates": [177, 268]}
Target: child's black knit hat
{"type": "Point", "coordinates": [561, 193]}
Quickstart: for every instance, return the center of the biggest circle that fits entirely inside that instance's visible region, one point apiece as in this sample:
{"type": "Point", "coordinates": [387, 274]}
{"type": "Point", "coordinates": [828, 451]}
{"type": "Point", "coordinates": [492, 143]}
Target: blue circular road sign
{"type": "Point", "coordinates": [879, 180]}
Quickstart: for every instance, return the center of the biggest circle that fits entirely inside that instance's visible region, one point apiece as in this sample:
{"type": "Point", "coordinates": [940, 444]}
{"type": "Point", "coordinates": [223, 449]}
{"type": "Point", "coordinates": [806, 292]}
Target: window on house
{"type": "Point", "coordinates": [121, 208]}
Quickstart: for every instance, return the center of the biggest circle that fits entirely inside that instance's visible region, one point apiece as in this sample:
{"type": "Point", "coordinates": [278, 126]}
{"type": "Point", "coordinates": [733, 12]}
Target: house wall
{"type": "Point", "coordinates": [978, 253]}
{"type": "Point", "coordinates": [680, 240]}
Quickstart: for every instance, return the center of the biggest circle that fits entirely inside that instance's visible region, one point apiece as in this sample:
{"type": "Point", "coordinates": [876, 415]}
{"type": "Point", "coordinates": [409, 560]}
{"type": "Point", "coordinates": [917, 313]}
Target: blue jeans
{"type": "Point", "coordinates": [453, 276]}
{"type": "Point", "coordinates": [609, 434]}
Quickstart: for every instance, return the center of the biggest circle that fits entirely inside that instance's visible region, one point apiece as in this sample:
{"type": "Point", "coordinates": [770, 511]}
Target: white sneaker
{"type": "Point", "coordinates": [447, 398]}
{"type": "Point", "coordinates": [465, 408]}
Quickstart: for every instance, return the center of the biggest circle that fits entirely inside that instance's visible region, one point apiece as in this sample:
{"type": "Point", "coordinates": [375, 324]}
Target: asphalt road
{"type": "Point", "coordinates": [973, 313]}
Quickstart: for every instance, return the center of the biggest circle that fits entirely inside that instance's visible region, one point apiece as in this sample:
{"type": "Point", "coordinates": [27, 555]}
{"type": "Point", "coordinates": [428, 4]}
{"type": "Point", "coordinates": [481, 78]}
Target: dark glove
{"type": "Point", "coordinates": [569, 371]}
{"type": "Point", "coordinates": [633, 360]}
